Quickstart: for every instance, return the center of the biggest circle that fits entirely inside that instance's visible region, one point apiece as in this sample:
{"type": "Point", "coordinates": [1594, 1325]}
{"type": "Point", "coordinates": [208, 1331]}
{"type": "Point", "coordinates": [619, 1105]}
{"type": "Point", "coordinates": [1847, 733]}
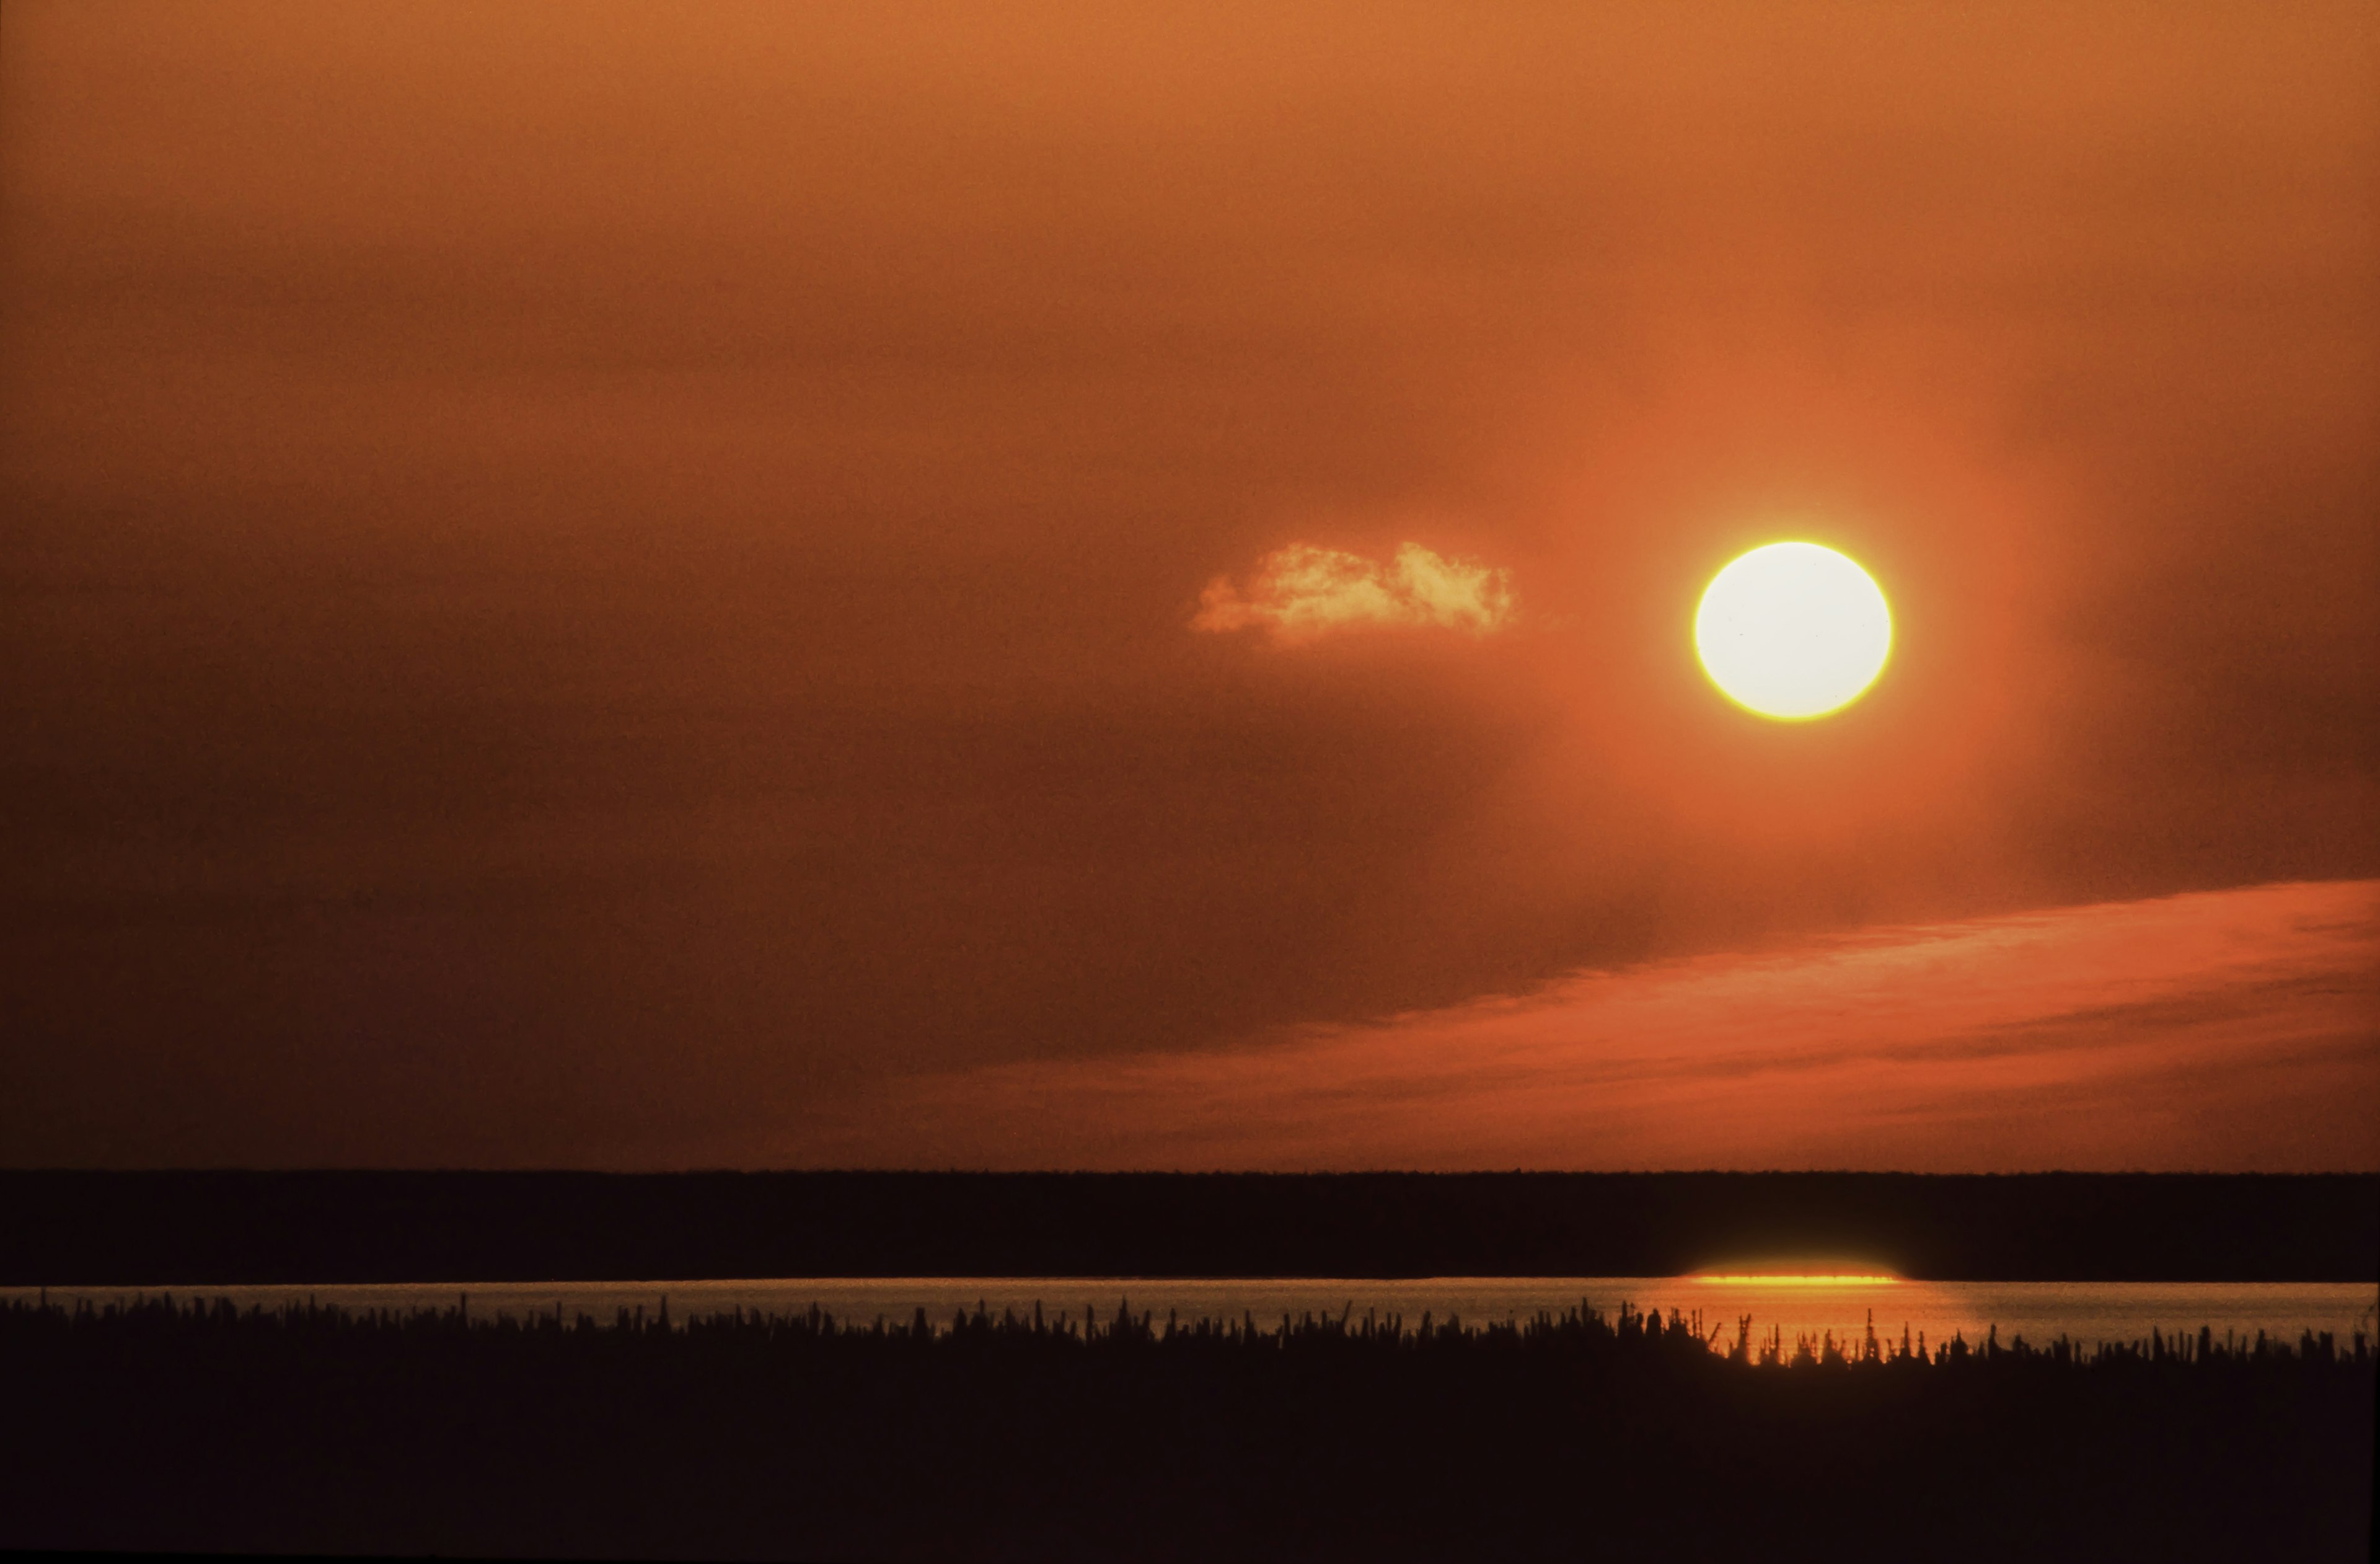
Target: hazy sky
{"type": "Point", "coordinates": [639, 585]}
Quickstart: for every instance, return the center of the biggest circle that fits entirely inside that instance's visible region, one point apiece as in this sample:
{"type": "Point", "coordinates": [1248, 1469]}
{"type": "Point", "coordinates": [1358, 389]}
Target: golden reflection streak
{"type": "Point", "coordinates": [1801, 1280]}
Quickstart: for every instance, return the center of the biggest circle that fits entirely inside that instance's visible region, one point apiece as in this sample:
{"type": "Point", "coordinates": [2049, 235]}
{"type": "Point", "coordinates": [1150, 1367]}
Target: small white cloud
{"type": "Point", "coordinates": [1303, 591]}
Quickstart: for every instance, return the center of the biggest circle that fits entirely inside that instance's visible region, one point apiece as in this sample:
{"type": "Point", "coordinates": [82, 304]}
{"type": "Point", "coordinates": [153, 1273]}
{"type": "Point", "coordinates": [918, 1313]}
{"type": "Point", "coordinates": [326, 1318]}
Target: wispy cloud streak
{"type": "Point", "coordinates": [2236, 1030]}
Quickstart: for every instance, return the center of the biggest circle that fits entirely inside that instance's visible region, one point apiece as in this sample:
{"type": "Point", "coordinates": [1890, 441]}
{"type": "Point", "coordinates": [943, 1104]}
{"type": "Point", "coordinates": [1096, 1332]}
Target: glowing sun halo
{"type": "Point", "coordinates": [1793, 631]}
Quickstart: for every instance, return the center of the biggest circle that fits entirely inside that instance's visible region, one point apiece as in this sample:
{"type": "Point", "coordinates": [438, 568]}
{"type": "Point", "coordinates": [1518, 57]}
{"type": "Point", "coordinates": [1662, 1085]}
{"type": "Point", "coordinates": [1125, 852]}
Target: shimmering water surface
{"type": "Point", "coordinates": [2038, 1311]}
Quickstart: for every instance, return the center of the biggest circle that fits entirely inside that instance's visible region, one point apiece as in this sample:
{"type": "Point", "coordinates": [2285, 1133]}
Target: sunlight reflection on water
{"type": "Point", "coordinates": [2038, 1311]}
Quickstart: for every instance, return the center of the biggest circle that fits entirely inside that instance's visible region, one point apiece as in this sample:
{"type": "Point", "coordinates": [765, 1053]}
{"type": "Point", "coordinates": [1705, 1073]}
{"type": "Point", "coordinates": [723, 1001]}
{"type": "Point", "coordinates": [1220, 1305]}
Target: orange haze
{"type": "Point", "coordinates": [2217, 1030]}
{"type": "Point", "coordinates": [635, 585]}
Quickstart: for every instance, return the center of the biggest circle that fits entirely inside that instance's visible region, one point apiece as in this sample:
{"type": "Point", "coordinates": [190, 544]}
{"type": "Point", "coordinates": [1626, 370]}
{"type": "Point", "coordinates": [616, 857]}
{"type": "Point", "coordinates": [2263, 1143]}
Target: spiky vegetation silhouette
{"type": "Point", "coordinates": [192, 1425]}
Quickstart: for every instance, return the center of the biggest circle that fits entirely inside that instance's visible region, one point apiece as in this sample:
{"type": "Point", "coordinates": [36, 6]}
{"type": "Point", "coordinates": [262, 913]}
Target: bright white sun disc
{"type": "Point", "coordinates": [1793, 631]}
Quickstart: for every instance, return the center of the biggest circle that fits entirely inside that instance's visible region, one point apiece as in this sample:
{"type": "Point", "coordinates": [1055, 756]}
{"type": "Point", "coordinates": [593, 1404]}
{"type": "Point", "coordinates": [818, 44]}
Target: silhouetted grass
{"type": "Point", "coordinates": [202, 1426]}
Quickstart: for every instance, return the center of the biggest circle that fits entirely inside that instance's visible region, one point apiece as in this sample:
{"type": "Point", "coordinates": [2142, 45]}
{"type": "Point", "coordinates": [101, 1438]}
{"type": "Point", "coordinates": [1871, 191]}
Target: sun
{"type": "Point", "coordinates": [1793, 631]}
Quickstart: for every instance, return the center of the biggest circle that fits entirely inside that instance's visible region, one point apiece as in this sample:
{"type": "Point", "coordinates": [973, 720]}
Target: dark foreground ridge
{"type": "Point", "coordinates": [165, 1427]}
{"type": "Point", "coordinates": [228, 1228]}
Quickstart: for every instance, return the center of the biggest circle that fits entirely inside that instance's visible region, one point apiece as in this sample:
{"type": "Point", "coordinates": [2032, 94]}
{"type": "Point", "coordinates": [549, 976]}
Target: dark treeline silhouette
{"type": "Point", "coordinates": [252, 1228]}
{"type": "Point", "coordinates": [166, 1425]}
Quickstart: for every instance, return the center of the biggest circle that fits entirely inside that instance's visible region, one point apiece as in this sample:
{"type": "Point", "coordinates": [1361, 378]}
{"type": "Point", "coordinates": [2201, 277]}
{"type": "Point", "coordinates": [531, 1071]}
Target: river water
{"type": "Point", "coordinates": [2038, 1311]}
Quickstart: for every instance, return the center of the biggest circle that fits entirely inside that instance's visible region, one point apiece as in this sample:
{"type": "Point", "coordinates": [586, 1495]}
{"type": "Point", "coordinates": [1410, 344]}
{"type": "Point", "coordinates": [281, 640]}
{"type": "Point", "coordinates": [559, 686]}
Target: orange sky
{"type": "Point", "coordinates": [616, 585]}
{"type": "Point", "coordinates": [2224, 1029]}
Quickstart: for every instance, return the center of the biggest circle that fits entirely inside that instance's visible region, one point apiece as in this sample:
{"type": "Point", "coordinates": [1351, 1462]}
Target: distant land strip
{"type": "Point", "coordinates": [230, 1227]}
